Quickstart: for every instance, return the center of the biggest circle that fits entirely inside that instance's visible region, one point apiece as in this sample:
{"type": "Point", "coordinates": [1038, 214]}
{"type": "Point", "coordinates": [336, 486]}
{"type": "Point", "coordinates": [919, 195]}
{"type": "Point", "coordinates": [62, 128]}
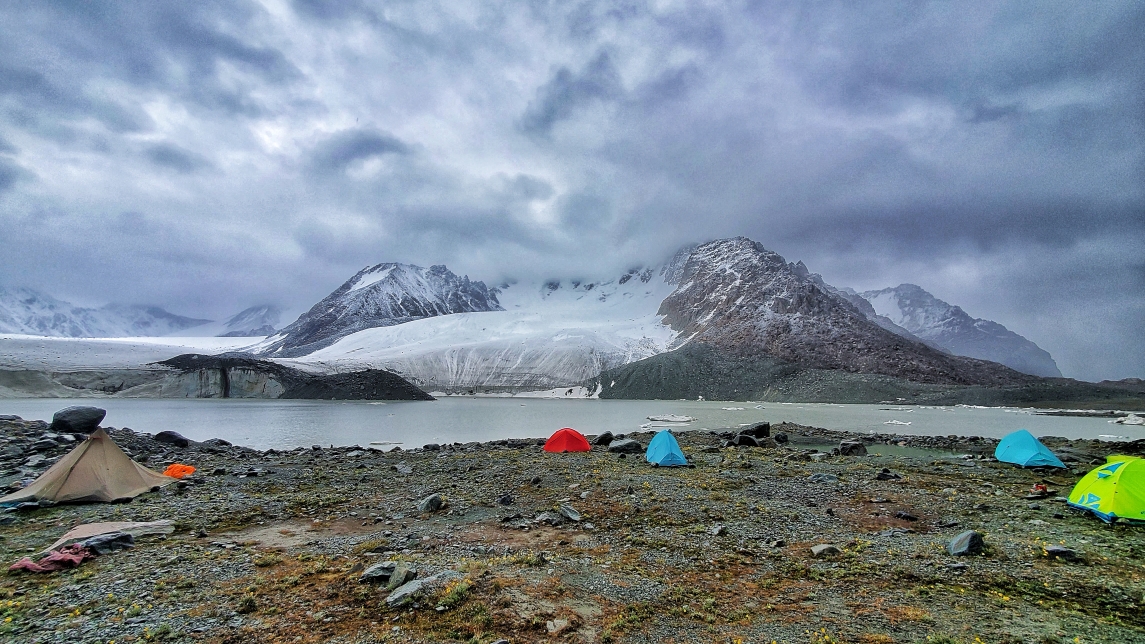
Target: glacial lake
{"type": "Point", "coordinates": [284, 424]}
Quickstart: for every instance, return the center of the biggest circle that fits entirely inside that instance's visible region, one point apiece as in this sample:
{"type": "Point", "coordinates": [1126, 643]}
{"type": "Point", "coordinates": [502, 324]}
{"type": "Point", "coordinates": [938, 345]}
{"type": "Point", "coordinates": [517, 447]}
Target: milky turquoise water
{"type": "Point", "coordinates": [280, 424]}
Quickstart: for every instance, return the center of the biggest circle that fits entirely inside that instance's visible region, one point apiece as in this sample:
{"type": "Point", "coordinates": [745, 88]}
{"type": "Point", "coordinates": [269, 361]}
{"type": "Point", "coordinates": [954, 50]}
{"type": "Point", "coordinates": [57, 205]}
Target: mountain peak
{"type": "Point", "coordinates": [27, 311]}
{"type": "Point", "coordinates": [949, 327]}
{"type": "Point", "coordinates": [381, 295]}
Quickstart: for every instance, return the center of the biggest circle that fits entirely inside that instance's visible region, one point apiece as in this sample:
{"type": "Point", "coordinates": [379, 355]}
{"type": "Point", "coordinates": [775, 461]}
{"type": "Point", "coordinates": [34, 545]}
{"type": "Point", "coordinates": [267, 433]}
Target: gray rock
{"type": "Point", "coordinates": [173, 438]}
{"type": "Point", "coordinates": [603, 439]}
{"type": "Point", "coordinates": [905, 516]}
{"type": "Point", "coordinates": [378, 573]}
{"type": "Point", "coordinates": [742, 440]}
{"type": "Point", "coordinates": [758, 430]}
{"type": "Point", "coordinates": [966, 543]}
{"type": "Point", "coordinates": [568, 512]}
{"type": "Point", "coordinates": [44, 444]}
{"type": "Point", "coordinates": [431, 447]}
{"type": "Point", "coordinates": [1062, 552]}
{"type": "Point", "coordinates": [887, 475]}
{"type": "Point", "coordinates": [781, 437]}
{"type": "Point", "coordinates": [403, 468]}
{"type": "Point", "coordinates": [822, 477]}
{"type": "Point", "coordinates": [717, 530]}
{"type": "Point", "coordinates": [852, 448]}
{"type": "Point", "coordinates": [625, 446]}
{"type": "Point", "coordinates": [431, 503]}
{"type": "Point", "coordinates": [403, 574]}
{"type": "Point", "coordinates": [825, 550]}
{"type": "Point", "coordinates": [9, 417]}
{"type": "Point", "coordinates": [77, 419]}
{"type": "Point", "coordinates": [505, 499]}
{"type": "Point", "coordinates": [406, 592]}
{"type": "Point", "coordinates": [549, 518]}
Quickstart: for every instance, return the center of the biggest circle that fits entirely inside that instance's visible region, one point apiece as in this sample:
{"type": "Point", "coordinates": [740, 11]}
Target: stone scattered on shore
{"type": "Point", "coordinates": [431, 503]}
{"type": "Point", "coordinates": [173, 438]}
{"type": "Point", "coordinates": [825, 550]}
{"type": "Point", "coordinates": [625, 446]}
{"type": "Point", "coordinates": [411, 589]}
{"type": "Point", "coordinates": [966, 544]}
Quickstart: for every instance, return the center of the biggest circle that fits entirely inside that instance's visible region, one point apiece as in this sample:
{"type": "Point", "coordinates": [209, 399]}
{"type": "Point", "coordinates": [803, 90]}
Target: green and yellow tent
{"type": "Point", "coordinates": [1115, 490]}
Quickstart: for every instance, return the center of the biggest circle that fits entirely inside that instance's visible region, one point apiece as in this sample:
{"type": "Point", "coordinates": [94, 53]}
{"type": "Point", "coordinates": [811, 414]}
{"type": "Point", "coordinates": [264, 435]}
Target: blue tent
{"type": "Point", "coordinates": [663, 450]}
{"type": "Point", "coordinates": [1021, 448]}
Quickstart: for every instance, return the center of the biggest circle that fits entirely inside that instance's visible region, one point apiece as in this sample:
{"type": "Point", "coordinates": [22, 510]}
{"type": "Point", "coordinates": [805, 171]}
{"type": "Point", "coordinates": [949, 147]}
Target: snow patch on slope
{"type": "Point", "coordinates": [551, 334]}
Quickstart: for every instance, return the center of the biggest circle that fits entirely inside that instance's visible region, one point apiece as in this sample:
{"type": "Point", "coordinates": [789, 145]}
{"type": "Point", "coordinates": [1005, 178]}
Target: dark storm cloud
{"type": "Point", "coordinates": [565, 91]}
{"type": "Point", "coordinates": [343, 148]}
{"type": "Point", "coordinates": [10, 173]}
{"type": "Point", "coordinates": [992, 152]}
{"type": "Point", "coordinates": [176, 158]}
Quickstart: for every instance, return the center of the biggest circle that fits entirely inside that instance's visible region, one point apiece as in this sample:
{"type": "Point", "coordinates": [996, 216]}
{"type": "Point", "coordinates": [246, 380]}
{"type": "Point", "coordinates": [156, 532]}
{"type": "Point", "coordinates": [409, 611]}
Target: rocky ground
{"type": "Point", "coordinates": [271, 546]}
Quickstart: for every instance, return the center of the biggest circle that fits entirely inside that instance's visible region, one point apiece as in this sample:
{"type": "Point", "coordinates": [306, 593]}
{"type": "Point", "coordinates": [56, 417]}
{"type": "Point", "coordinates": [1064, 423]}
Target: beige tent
{"type": "Point", "coordinates": [96, 470]}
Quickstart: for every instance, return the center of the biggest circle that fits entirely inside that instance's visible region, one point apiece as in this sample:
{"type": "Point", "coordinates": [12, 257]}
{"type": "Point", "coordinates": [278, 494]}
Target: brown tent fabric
{"type": "Point", "coordinates": [96, 470]}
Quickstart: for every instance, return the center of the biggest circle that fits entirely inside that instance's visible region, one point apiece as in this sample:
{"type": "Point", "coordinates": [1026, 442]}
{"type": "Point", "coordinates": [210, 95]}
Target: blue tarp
{"type": "Point", "coordinates": [1021, 448]}
{"type": "Point", "coordinates": [663, 450]}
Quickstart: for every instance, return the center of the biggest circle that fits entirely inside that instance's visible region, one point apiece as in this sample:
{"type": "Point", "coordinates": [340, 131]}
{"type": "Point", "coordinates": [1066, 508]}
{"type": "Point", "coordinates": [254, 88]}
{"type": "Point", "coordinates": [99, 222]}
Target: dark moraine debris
{"type": "Point", "coordinates": [369, 384]}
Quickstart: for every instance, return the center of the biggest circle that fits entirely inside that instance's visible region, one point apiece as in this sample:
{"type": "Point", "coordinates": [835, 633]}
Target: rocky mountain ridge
{"type": "Point", "coordinates": [27, 311]}
{"type": "Point", "coordinates": [377, 296]}
{"type": "Point", "coordinates": [745, 300]}
{"type": "Point", "coordinates": [949, 327]}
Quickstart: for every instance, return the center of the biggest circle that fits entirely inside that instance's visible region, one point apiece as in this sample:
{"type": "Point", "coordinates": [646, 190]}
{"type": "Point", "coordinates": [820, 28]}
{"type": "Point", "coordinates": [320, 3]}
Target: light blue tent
{"type": "Point", "coordinates": [663, 450]}
{"type": "Point", "coordinates": [1021, 448]}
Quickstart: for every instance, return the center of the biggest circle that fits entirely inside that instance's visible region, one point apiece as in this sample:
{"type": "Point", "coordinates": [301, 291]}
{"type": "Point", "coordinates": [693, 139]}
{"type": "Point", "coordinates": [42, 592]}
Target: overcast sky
{"type": "Point", "coordinates": [207, 156]}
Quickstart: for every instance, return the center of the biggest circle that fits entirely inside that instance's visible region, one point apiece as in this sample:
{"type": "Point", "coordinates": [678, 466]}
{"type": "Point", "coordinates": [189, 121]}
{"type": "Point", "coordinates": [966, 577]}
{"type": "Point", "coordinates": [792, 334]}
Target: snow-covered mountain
{"type": "Point", "coordinates": [379, 296]}
{"type": "Point", "coordinates": [951, 328]}
{"type": "Point", "coordinates": [446, 333]}
{"type": "Point", "coordinates": [256, 321]}
{"type": "Point", "coordinates": [30, 312]}
{"type": "Point", "coordinates": [738, 297]}
{"type": "Point", "coordinates": [546, 334]}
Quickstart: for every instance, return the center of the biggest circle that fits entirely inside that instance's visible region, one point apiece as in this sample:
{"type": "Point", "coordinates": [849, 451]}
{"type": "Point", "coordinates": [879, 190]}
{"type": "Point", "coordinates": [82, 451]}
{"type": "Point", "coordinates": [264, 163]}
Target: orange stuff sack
{"type": "Point", "coordinates": [178, 470]}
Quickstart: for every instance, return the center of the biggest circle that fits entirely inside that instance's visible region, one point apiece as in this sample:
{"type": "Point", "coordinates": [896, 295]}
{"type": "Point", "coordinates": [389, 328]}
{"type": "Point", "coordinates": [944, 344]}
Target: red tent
{"type": "Point", "coordinates": [567, 439]}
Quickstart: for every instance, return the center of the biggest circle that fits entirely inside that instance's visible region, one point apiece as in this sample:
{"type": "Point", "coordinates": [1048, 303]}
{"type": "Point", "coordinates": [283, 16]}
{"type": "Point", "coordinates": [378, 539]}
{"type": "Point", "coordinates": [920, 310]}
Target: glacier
{"type": "Point", "coordinates": [551, 334]}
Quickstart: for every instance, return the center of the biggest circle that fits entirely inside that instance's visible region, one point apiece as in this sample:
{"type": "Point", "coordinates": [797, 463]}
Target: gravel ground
{"type": "Point", "coordinates": [269, 546]}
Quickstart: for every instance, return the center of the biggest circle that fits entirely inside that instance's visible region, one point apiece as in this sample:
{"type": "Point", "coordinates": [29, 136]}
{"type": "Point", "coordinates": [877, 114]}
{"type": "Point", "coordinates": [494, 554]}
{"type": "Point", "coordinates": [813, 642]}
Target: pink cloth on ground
{"type": "Point", "coordinates": [66, 557]}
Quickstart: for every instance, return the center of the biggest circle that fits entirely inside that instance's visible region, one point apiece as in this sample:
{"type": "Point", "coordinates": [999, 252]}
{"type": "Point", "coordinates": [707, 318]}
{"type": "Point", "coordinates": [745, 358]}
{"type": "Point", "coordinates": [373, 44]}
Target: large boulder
{"type": "Point", "coordinates": [173, 438]}
{"type": "Point", "coordinates": [966, 543]}
{"type": "Point", "coordinates": [603, 439]}
{"type": "Point", "coordinates": [758, 430]}
{"type": "Point", "coordinates": [431, 503]}
{"type": "Point", "coordinates": [77, 420]}
{"type": "Point", "coordinates": [407, 591]}
{"type": "Point", "coordinates": [625, 446]}
{"type": "Point", "coordinates": [852, 448]}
